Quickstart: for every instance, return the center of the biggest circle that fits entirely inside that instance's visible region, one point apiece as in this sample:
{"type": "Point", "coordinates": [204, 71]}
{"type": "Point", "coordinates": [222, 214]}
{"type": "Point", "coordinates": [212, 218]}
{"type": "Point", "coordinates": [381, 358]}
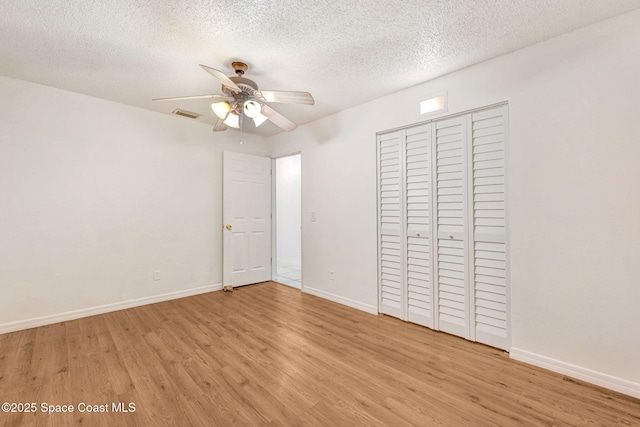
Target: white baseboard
{"type": "Point", "coordinates": [340, 300]}
{"type": "Point", "coordinates": [578, 372]}
{"type": "Point", "coordinates": [107, 308]}
{"type": "Point", "coordinates": [288, 284]}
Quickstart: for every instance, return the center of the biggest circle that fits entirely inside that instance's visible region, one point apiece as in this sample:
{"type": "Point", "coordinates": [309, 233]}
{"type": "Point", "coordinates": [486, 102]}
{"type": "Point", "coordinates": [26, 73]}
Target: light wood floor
{"type": "Point", "coordinates": [269, 355]}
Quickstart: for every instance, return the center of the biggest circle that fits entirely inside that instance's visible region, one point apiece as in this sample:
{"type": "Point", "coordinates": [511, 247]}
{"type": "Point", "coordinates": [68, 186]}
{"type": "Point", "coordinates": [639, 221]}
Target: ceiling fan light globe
{"type": "Point", "coordinates": [232, 120]}
{"type": "Point", "coordinates": [221, 109]}
{"type": "Point", "coordinates": [259, 119]}
{"type": "Point", "coordinates": [251, 109]}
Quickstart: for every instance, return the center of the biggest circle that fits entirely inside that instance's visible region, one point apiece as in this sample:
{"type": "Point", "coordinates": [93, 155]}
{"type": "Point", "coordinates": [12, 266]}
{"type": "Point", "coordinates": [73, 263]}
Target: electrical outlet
{"type": "Point", "coordinates": [156, 275]}
{"type": "Point", "coordinates": [332, 275]}
{"type": "Point", "coordinates": [313, 217]}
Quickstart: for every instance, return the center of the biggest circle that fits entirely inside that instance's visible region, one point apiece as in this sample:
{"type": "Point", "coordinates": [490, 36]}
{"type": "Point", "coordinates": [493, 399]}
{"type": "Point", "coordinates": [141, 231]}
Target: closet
{"type": "Point", "coordinates": [442, 225]}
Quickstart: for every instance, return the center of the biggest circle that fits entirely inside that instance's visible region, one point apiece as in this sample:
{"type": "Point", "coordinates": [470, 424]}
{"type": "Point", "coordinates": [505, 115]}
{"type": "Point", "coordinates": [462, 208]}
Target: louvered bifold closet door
{"type": "Point", "coordinates": [452, 302]}
{"type": "Point", "coordinates": [419, 277]}
{"type": "Point", "coordinates": [391, 259]}
{"type": "Point", "coordinates": [489, 228]}
{"type": "Point", "coordinates": [443, 241]}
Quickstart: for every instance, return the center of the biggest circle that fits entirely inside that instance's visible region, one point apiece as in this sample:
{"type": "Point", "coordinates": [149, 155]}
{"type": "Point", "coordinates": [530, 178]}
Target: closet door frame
{"type": "Point", "coordinates": [507, 226]}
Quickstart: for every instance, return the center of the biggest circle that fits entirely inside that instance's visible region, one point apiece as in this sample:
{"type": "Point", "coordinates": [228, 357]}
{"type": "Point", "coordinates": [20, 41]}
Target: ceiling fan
{"type": "Point", "coordinates": [241, 98]}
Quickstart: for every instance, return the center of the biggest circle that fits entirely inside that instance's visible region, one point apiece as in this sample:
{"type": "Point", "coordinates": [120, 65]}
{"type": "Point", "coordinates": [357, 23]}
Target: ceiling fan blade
{"type": "Point", "coordinates": [226, 81]}
{"type": "Point", "coordinates": [278, 119]}
{"type": "Point", "coordinates": [220, 126]}
{"type": "Point", "coordinates": [178, 98]}
{"type": "Point", "coordinates": [289, 97]}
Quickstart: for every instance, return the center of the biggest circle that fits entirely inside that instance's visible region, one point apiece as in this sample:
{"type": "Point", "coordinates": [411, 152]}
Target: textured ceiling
{"type": "Point", "coordinates": [343, 52]}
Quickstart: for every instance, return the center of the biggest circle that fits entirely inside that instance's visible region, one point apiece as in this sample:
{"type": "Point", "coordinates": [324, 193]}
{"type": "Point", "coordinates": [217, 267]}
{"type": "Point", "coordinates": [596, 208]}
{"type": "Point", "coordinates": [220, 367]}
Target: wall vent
{"type": "Point", "coordinates": [185, 113]}
{"type": "Point", "coordinates": [435, 104]}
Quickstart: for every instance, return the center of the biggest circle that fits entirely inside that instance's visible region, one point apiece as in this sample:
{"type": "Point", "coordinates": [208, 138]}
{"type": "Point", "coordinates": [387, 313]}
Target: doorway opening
{"type": "Point", "coordinates": [288, 220]}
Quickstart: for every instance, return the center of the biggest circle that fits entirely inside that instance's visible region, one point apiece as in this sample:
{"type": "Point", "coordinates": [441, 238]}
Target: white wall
{"type": "Point", "coordinates": [95, 196]}
{"type": "Point", "coordinates": [288, 202]}
{"type": "Point", "coordinates": [573, 185]}
{"type": "Point", "coordinates": [339, 185]}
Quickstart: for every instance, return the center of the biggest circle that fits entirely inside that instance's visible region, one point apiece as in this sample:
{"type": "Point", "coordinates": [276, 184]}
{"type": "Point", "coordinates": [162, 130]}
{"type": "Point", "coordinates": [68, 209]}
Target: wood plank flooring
{"type": "Point", "coordinates": [269, 355]}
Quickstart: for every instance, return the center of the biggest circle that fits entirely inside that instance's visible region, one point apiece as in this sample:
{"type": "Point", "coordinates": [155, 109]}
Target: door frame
{"type": "Point", "coordinates": [274, 219]}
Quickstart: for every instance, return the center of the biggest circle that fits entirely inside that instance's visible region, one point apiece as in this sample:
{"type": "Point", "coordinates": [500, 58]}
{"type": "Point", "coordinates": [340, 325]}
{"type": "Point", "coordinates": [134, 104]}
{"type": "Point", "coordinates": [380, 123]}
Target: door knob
{"type": "Point", "coordinates": [228, 227]}
{"type": "Point", "coordinates": [450, 236]}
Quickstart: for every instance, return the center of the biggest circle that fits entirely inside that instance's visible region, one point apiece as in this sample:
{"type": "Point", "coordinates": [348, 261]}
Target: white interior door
{"type": "Point", "coordinates": [246, 213]}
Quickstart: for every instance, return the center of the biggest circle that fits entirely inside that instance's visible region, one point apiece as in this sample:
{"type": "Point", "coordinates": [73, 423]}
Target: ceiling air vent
{"type": "Point", "coordinates": [185, 113]}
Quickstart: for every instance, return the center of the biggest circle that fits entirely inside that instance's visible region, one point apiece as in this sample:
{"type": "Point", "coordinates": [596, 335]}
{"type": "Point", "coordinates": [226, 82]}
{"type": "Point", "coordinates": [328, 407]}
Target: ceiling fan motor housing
{"type": "Point", "coordinates": [248, 87]}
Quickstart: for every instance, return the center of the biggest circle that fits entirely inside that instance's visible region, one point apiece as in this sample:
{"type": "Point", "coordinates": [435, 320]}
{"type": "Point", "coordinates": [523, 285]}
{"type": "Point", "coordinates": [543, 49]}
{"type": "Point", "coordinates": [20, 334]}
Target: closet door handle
{"type": "Point", "coordinates": [450, 236]}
